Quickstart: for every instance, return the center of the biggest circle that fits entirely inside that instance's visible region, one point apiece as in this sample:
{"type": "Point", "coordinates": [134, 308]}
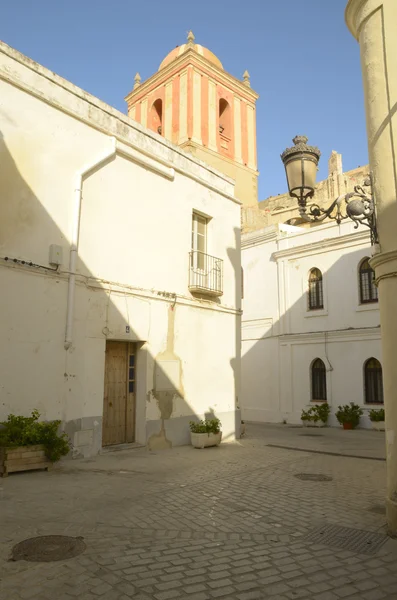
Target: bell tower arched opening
{"type": "Point", "coordinates": [156, 116]}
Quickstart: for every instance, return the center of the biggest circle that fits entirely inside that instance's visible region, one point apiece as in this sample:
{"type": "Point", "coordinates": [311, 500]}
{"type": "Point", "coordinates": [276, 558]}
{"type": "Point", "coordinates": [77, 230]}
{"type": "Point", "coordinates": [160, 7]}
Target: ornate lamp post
{"type": "Point", "coordinates": [300, 162]}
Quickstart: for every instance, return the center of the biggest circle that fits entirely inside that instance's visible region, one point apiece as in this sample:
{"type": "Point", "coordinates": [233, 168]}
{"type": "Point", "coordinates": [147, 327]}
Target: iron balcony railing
{"type": "Point", "coordinates": [205, 274]}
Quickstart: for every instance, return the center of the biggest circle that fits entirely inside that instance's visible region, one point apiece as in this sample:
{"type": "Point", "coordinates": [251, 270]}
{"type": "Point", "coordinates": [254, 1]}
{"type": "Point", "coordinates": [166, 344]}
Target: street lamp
{"type": "Point", "coordinates": [300, 162]}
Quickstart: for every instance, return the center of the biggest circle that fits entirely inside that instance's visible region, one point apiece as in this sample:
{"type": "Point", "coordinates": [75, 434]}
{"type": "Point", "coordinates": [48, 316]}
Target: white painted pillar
{"type": "Point", "coordinates": [374, 24]}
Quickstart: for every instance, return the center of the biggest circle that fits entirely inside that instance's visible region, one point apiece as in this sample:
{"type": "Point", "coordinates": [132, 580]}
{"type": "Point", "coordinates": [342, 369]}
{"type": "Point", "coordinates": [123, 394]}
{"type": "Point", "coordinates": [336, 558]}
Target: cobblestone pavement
{"type": "Point", "coordinates": [232, 522]}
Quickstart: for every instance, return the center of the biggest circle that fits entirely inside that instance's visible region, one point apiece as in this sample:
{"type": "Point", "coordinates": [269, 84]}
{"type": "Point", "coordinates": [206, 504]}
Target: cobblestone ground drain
{"type": "Point", "coordinates": [232, 522]}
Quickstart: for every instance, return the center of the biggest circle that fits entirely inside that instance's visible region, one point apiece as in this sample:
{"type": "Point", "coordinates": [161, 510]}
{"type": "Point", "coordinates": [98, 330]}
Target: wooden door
{"type": "Point", "coordinates": [119, 395]}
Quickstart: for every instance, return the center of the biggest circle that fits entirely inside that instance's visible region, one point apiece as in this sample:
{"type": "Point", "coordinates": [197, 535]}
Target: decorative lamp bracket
{"type": "Point", "coordinates": [359, 206]}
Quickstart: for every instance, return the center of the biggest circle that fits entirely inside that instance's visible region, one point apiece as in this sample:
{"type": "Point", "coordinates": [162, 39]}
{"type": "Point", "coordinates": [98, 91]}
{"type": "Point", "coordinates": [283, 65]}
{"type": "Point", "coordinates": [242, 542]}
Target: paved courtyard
{"type": "Point", "coordinates": [233, 522]}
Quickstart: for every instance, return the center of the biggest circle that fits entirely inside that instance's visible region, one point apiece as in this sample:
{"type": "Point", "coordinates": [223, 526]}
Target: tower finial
{"type": "Point", "coordinates": [137, 81]}
{"type": "Point", "coordinates": [190, 38]}
{"type": "Point", "coordinates": [246, 78]}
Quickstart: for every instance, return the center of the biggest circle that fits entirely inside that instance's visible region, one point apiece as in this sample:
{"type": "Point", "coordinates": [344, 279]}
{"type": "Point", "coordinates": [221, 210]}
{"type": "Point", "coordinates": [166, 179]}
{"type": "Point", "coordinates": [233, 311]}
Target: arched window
{"type": "Point", "coordinates": [316, 300]}
{"type": "Point", "coordinates": [319, 381]}
{"type": "Point", "coordinates": [368, 289]}
{"type": "Point", "coordinates": [156, 116]}
{"type": "Point", "coordinates": [373, 381]}
{"type": "Point", "coordinates": [224, 118]}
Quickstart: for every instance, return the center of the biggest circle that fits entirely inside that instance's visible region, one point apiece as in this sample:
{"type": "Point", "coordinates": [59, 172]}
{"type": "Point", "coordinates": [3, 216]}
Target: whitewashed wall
{"type": "Point", "coordinates": [135, 236]}
{"type": "Point", "coordinates": [281, 337]}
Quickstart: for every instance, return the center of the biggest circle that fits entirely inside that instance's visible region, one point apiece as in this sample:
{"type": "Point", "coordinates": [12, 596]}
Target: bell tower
{"type": "Point", "coordinates": [193, 102]}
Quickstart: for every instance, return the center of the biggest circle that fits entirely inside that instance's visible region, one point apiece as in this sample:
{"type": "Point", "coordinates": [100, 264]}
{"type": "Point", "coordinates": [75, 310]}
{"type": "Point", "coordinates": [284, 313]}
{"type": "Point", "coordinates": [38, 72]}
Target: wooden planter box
{"type": "Point", "coordinates": [23, 458]}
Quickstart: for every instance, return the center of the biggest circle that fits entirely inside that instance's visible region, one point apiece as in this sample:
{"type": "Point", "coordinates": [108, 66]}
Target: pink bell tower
{"type": "Point", "coordinates": [193, 102]}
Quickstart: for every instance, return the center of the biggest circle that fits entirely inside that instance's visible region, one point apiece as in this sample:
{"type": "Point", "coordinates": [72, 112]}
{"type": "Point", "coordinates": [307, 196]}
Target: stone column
{"type": "Point", "coordinates": [374, 24]}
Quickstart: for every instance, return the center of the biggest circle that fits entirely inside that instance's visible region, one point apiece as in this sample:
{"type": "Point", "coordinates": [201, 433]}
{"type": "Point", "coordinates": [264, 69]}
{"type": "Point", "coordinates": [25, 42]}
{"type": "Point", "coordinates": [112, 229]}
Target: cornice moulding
{"type": "Point", "coordinates": [327, 245]}
{"type": "Point", "coordinates": [383, 257]}
{"type": "Point", "coordinates": [190, 142]}
{"type": "Point", "coordinates": [355, 12]}
{"type": "Point", "coordinates": [335, 335]}
{"type": "Point", "coordinates": [191, 58]}
{"type": "Point", "coordinates": [254, 238]}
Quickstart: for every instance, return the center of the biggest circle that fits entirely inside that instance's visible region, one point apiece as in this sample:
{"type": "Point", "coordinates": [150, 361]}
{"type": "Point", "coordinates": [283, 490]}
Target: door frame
{"type": "Point", "coordinates": [130, 402]}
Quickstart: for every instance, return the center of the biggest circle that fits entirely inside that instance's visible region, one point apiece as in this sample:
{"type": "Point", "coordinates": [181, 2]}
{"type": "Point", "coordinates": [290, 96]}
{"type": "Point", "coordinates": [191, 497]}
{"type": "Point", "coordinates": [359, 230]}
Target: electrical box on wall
{"type": "Point", "coordinates": [55, 255]}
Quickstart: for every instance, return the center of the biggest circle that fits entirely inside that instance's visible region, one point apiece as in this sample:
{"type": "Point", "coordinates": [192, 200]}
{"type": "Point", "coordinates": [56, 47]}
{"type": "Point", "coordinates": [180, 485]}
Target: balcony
{"type": "Point", "coordinates": [205, 274]}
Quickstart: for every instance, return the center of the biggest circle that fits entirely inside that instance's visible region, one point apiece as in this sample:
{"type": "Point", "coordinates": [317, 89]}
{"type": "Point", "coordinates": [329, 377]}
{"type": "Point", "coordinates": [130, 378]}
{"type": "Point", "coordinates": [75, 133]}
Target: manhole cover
{"type": "Point", "coordinates": [312, 477]}
{"type": "Point", "coordinates": [48, 548]}
{"type": "Point", "coordinates": [355, 540]}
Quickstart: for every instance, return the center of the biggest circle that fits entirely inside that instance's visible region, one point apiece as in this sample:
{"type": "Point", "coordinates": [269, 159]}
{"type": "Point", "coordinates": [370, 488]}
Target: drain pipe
{"type": "Point", "coordinates": [80, 175]}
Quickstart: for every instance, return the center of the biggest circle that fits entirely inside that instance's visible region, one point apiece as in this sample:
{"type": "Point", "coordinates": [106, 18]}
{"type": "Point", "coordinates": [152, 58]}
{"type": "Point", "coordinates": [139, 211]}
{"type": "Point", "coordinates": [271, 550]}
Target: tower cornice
{"type": "Point", "coordinates": [191, 58]}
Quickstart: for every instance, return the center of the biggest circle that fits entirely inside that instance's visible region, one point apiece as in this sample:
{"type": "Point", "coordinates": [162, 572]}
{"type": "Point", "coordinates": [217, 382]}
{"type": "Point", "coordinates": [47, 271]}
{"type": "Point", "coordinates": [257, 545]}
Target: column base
{"type": "Point", "coordinates": [391, 515]}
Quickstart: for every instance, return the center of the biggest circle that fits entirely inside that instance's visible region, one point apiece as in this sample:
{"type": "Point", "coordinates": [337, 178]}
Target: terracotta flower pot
{"type": "Point", "coordinates": [347, 425]}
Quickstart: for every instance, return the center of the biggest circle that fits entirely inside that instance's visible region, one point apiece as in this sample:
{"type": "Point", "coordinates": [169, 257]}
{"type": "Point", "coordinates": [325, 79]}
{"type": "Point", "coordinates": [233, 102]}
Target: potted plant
{"type": "Point", "coordinates": [349, 415]}
{"type": "Point", "coordinates": [377, 418]}
{"type": "Point", "coordinates": [205, 433]}
{"type": "Point", "coordinates": [27, 443]}
{"type": "Point", "coordinates": [316, 416]}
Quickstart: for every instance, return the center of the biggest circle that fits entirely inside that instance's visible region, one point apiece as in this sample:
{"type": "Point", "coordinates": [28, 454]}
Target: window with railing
{"type": "Point", "coordinates": [205, 271]}
{"type": "Point", "coordinates": [205, 274]}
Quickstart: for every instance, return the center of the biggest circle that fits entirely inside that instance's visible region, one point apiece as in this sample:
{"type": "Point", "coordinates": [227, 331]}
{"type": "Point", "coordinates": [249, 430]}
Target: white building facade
{"type": "Point", "coordinates": [310, 330]}
{"type": "Point", "coordinates": [120, 271]}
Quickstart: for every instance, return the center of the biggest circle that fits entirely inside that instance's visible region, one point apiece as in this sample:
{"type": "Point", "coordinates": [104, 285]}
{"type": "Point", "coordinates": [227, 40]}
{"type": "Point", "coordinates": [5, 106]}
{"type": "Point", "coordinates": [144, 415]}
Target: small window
{"type": "Point", "coordinates": [131, 373]}
{"type": "Point", "coordinates": [199, 241]}
{"type": "Point", "coordinates": [316, 300]}
{"type": "Point", "coordinates": [368, 289]}
{"type": "Point", "coordinates": [319, 381]}
{"type": "Point", "coordinates": [224, 118]}
{"type": "Point", "coordinates": [373, 382]}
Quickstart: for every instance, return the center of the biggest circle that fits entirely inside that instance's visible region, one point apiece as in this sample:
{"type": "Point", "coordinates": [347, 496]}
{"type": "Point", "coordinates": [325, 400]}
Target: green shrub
{"type": "Point", "coordinates": [349, 413]}
{"type": "Point", "coordinates": [318, 412]}
{"type": "Point", "coordinates": [29, 431]}
{"type": "Point", "coordinates": [307, 415]}
{"type": "Point", "coordinates": [206, 426]}
{"type": "Point", "coordinates": [377, 414]}
{"type": "Point", "coordinates": [323, 411]}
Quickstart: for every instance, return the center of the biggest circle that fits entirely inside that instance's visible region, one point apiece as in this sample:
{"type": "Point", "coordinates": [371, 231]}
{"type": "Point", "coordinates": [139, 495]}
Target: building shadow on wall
{"type": "Point", "coordinates": [279, 351]}
{"type": "Point", "coordinates": [108, 387]}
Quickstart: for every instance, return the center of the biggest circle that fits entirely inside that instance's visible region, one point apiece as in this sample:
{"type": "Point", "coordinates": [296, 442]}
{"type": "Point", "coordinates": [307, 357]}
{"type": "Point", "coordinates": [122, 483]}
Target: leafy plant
{"type": "Point", "coordinates": [307, 415]}
{"type": "Point", "coordinates": [318, 412]}
{"type": "Point", "coordinates": [29, 431]}
{"type": "Point", "coordinates": [349, 413]}
{"type": "Point", "coordinates": [323, 411]}
{"type": "Point", "coordinates": [377, 414]}
{"type": "Point", "coordinates": [205, 426]}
